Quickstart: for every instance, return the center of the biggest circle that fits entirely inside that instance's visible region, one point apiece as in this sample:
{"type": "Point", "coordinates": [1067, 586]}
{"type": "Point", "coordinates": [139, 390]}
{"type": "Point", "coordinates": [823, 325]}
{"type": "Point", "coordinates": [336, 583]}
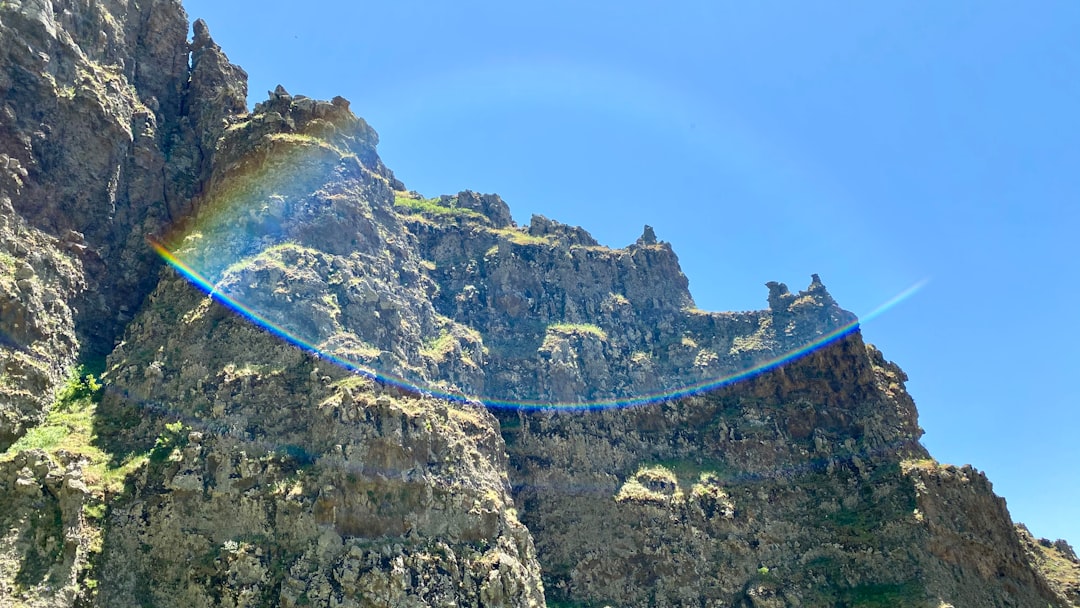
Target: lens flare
{"type": "Point", "coordinates": [197, 279]}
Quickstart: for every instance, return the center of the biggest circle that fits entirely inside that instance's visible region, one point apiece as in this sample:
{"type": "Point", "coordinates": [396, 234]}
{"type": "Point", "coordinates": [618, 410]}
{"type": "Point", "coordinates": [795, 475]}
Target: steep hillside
{"type": "Point", "coordinates": [242, 365]}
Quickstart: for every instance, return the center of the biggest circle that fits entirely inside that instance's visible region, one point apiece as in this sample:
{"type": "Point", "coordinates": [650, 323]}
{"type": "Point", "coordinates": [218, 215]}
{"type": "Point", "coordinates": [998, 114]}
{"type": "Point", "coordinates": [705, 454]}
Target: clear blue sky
{"type": "Point", "coordinates": [876, 144]}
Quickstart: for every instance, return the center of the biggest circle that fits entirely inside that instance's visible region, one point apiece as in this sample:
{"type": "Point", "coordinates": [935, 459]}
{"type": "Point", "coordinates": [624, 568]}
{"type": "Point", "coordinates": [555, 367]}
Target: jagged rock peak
{"type": "Point", "coordinates": [201, 36]}
{"type": "Point", "coordinates": [779, 295]}
{"type": "Point", "coordinates": [299, 110]}
{"type": "Point", "coordinates": [648, 236]}
{"type": "Point", "coordinates": [570, 235]}
{"type": "Point", "coordinates": [490, 206]}
{"type": "Point", "coordinates": [781, 300]}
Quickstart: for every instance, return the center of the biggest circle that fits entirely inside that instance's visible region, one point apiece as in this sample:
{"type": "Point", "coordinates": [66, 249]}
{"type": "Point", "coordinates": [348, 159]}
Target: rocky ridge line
{"type": "Point", "coordinates": [230, 468]}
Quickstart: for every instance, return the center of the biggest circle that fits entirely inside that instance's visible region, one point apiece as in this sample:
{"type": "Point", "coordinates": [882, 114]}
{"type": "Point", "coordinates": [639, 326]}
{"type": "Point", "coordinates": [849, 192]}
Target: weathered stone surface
{"type": "Point", "coordinates": [1055, 561]}
{"type": "Point", "coordinates": [347, 494]}
{"type": "Point", "coordinates": [40, 276]}
{"type": "Point", "coordinates": [301, 483]}
{"type": "Point", "coordinates": [46, 541]}
{"type": "Point", "coordinates": [251, 472]}
{"type": "Point", "coordinates": [566, 320]}
{"type": "Point", "coordinates": [99, 112]}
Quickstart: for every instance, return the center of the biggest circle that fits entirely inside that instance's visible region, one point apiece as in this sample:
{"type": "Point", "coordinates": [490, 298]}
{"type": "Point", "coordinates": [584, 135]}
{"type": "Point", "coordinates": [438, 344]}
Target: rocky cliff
{"type": "Point", "coordinates": [277, 410]}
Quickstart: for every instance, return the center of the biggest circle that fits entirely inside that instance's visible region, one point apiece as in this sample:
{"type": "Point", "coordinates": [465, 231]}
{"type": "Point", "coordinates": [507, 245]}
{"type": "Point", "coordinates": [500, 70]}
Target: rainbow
{"type": "Point", "coordinates": [197, 279]}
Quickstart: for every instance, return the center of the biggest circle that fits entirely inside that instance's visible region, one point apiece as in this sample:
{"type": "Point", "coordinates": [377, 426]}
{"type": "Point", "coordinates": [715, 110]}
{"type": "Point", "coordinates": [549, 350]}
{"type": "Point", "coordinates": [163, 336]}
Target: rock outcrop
{"type": "Point", "coordinates": [286, 416]}
{"type": "Point", "coordinates": [106, 133]}
{"type": "Point", "coordinates": [348, 494]}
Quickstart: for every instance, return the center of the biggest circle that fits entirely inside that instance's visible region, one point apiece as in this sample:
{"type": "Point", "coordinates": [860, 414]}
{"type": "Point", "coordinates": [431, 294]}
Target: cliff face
{"type": "Point", "coordinates": [230, 458]}
{"type": "Point", "coordinates": [106, 133]}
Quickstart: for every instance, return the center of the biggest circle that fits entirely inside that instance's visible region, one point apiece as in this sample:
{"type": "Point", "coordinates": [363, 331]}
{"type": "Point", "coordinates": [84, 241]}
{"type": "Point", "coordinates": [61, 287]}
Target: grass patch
{"type": "Point", "coordinates": [7, 264]}
{"type": "Point", "coordinates": [303, 139]}
{"type": "Point", "coordinates": [577, 329]}
{"type": "Point", "coordinates": [438, 207]}
{"type": "Point", "coordinates": [690, 472]}
{"type": "Point", "coordinates": [69, 427]}
{"type": "Point", "coordinates": [651, 483]}
{"type": "Point", "coordinates": [237, 126]}
{"type": "Point", "coordinates": [171, 440]}
{"type": "Point", "coordinates": [276, 255]}
{"type": "Point", "coordinates": [520, 237]}
{"type": "Point", "coordinates": [806, 301]}
{"type": "Point", "coordinates": [439, 347]}
{"type": "Point", "coordinates": [694, 311]}
{"type": "Point", "coordinates": [618, 299]}
{"type": "Point", "coordinates": [924, 464]}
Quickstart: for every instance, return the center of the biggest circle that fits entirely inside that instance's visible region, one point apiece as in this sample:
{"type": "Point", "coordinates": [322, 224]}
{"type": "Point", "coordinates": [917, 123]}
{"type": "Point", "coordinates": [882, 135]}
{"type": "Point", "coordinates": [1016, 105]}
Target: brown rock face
{"type": "Point", "coordinates": [348, 494]}
{"type": "Point", "coordinates": [47, 532]}
{"type": "Point", "coordinates": [232, 459]}
{"type": "Point", "coordinates": [98, 148]}
{"type": "Point", "coordinates": [1056, 561]}
{"type": "Point", "coordinates": [39, 278]}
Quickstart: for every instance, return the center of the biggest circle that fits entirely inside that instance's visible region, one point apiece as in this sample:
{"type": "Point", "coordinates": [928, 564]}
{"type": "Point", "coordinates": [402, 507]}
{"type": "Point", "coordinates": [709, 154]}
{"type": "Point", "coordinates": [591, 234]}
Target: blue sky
{"type": "Point", "coordinates": [877, 144]}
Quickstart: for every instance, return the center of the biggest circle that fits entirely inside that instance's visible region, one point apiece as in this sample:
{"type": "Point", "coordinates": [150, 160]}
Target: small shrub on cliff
{"type": "Point", "coordinates": [79, 386]}
{"type": "Point", "coordinates": [171, 439]}
{"type": "Point", "coordinates": [68, 423]}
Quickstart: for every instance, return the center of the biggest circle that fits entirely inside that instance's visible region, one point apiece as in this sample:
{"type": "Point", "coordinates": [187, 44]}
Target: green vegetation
{"type": "Point", "coordinates": [7, 263]}
{"type": "Point", "coordinates": [276, 255]}
{"type": "Point", "coordinates": [860, 525]}
{"type": "Point", "coordinates": [657, 473]}
{"type": "Point", "coordinates": [296, 138]}
{"type": "Point", "coordinates": [69, 417]}
{"type": "Point", "coordinates": [577, 329]}
{"type": "Point", "coordinates": [238, 126]}
{"type": "Point", "coordinates": [69, 427]}
{"type": "Point", "coordinates": [651, 483]}
{"type": "Point", "coordinates": [171, 440]}
{"type": "Point", "coordinates": [520, 237]}
{"type": "Point", "coordinates": [618, 299]}
{"type": "Point", "coordinates": [835, 591]}
{"type": "Point", "coordinates": [1061, 571]}
{"type": "Point", "coordinates": [691, 472]}
{"type": "Point", "coordinates": [553, 603]}
{"type": "Point", "coordinates": [356, 352]}
{"type": "Point", "coordinates": [806, 301]}
{"type": "Point", "coordinates": [593, 248]}
{"type": "Point", "coordinates": [438, 207]}
{"type": "Point", "coordinates": [305, 139]}
{"type": "Point", "coordinates": [44, 539]}
{"type": "Point", "coordinates": [439, 347]}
